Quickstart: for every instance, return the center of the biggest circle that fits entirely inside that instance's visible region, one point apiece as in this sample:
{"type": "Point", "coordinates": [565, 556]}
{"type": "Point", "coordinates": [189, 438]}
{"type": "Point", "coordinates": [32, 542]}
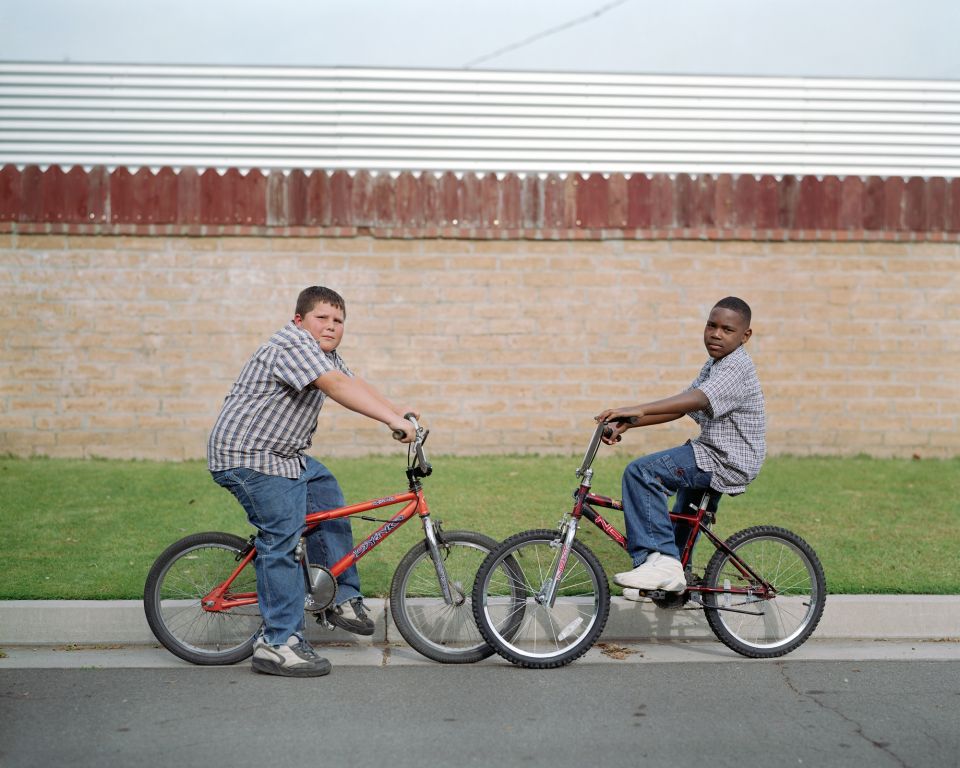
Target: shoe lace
{"type": "Point", "coordinates": [306, 650]}
{"type": "Point", "coordinates": [358, 608]}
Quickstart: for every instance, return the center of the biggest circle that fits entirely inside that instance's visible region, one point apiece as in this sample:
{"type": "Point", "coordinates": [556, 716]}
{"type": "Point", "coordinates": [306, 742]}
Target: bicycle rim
{"type": "Point", "coordinates": [441, 631]}
{"type": "Point", "coordinates": [760, 627]}
{"type": "Point", "coordinates": [172, 601]}
{"type": "Point", "coordinates": [512, 614]}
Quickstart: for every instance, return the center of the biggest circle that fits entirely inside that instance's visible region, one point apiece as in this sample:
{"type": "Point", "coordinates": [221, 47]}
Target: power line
{"type": "Point", "coordinates": [546, 33]}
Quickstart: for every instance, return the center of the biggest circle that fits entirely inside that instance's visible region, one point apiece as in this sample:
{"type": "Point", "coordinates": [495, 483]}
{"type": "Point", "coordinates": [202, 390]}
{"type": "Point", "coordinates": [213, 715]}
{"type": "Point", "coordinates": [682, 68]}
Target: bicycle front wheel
{"type": "Point", "coordinates": [510, 606]}
{"type": "Point", "coordinates": [441, 631]}
{"type": "Point", "coordinates": [186, 572]}
{"type": "Point", "coordinates": [754, 625]}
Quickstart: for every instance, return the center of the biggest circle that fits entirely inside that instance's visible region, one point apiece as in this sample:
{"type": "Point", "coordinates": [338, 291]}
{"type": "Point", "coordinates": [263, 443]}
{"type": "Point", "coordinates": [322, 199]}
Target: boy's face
{"type": "Point", "coordinates": [725, 331]}
{"type": "Point", "coordinates": [325, 323]}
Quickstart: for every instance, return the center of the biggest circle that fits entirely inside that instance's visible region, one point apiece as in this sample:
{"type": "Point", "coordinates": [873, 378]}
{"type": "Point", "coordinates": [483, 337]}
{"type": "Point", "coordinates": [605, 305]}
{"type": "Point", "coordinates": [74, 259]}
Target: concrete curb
{"type": "Point", "coordinates": [847, 617]}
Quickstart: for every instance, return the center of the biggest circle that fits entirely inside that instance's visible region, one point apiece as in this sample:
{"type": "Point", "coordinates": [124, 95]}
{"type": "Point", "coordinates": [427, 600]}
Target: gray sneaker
{"type": "Point", "coordinates": [361, 625]}
{"type": "Point", "coordinates": [295, 658]}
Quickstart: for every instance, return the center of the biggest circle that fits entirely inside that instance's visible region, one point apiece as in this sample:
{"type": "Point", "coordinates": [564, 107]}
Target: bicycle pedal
{"type": "Point", "coordinates": [670, 601]}
{"type": "Point", "coordinates": [322, 621]}
{"type": "Point", "coordinates": [644, 594]}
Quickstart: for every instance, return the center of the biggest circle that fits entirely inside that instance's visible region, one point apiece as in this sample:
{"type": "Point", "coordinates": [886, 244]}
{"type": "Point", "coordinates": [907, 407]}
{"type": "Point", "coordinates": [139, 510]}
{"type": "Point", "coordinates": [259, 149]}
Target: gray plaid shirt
{"type": "Point", "coordinates": [270, 415]}
{"type": "Point", "coordinates": [732, 441]}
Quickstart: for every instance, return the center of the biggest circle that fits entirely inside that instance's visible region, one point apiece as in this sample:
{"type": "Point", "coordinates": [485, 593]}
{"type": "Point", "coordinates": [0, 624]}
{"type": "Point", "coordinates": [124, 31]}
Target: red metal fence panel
{"type": "Point", "coordinates": [490, 205]}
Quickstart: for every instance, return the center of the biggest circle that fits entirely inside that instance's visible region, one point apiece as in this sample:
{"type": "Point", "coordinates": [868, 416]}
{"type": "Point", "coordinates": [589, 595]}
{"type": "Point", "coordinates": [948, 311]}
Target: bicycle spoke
{"type": "Point", "coordinates": [778, 621]}
{"type": "Point", "coordinates": [527, 629]}
{"type": "Point", "coordinates": [441, 630]}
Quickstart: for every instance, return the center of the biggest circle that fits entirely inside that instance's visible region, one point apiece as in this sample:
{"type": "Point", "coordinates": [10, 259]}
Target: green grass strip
{"type": "Point", "coordinates": [76, 529]}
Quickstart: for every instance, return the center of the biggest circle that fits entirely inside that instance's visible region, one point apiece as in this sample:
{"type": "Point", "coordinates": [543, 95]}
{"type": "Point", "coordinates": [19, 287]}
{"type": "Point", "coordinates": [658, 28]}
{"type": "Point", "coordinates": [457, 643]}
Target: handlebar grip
{"type": "Point", "coordinates": [608, 432]}
{"type": "Point", "coordinates": [412, 418]}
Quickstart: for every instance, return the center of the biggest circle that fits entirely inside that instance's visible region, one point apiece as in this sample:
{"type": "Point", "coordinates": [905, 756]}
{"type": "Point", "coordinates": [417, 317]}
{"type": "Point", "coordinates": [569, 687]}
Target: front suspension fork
{"type": "Point", "coordinates": [431, 532]}
{"type": "Point", "coordinates": [548, 594]}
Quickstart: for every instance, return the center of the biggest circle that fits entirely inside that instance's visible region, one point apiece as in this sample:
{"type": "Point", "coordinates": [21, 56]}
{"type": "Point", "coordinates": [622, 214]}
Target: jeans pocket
{"type": "Point", "coordinates": [703, 479]}
{"type": "Point", "coordinates": [228, 478]}
{"type": "Point", "coordinates": [673, 474]}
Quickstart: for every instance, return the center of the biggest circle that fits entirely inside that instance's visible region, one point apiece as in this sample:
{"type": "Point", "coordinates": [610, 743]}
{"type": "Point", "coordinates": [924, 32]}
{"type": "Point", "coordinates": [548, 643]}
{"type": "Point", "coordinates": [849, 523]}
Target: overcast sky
{"type": "Point", "coordinates": [844, 38]}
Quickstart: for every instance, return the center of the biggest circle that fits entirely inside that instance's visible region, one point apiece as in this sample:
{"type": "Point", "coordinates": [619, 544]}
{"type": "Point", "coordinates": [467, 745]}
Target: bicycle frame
{"type": "Point", "coordinates": [221, 599]}
{"type": "Point", "coordinates": [584, 498]}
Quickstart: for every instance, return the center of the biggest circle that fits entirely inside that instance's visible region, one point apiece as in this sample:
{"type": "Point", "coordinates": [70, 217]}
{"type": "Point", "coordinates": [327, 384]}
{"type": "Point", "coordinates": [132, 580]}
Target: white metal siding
{"type": "Point", "coordinates": [439, 120]}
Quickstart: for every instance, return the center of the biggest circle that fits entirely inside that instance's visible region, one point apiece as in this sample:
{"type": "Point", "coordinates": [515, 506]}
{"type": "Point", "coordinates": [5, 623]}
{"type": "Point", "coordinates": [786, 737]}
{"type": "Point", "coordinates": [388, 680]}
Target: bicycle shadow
{"type": "Point", "coordinates": [638, 621]}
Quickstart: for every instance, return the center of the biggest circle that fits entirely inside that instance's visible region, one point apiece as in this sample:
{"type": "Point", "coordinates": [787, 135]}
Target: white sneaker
{"type": "Point", "coordinates": [658, 572]}
{"type": "Point", "coordinates": [618, 578]}
{"type": "Point", "coordinates": [295, 658]}
{"type": "Point", "coordinates": [635, 595]}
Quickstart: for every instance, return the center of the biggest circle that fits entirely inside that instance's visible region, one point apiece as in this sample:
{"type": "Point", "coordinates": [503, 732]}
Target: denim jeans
{"type": "Point", "coordinates": [647, 484]}
{"type": "Point", "coordinates": [276, 507]}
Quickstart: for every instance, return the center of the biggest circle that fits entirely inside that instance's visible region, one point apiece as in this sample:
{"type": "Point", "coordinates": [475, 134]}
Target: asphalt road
{"type": "Point", "coordinates": [738, 714]}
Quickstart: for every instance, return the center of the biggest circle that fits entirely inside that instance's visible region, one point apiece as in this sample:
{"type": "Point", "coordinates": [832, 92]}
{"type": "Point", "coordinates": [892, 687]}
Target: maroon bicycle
{"type": "Point", "coordinates": [541, 598]}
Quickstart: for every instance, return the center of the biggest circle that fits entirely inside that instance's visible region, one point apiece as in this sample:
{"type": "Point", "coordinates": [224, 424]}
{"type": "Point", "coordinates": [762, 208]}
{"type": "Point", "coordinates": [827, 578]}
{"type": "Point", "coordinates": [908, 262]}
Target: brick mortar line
{"type": "Point", "coordinates": [482, 233]}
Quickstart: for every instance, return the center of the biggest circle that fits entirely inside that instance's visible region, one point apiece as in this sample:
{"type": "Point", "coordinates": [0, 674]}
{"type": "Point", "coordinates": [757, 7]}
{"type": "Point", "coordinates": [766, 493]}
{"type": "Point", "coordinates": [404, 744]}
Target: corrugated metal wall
{"type": "Point", "coordinates": [433, 120]}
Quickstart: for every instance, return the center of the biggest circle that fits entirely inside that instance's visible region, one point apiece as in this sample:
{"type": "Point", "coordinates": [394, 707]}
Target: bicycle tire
{"type": "Point", "coordinates": [525, 631]}
{"type": "Point", "coordinates": [184, 573]}
{"type": "Point", "coordinates": [441, 632]}
{"type": "Point", "coordinates": [782, 623]}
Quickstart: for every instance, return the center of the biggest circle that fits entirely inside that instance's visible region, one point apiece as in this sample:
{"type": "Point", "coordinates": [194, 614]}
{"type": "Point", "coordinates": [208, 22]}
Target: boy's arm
{"type": "Point", "coordinates": [376, 394]}
{"type": "Point", "coordinates": [657, 412]}
{"type": "Point", "coordinates": [358, 396]}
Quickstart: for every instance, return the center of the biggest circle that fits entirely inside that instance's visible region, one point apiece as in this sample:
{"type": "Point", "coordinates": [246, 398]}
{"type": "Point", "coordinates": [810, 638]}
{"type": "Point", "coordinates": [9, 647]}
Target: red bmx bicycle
{"type": "Point", "coordinates": [200, 596]}
{"type": "Point", "coordinates": [541, 597]}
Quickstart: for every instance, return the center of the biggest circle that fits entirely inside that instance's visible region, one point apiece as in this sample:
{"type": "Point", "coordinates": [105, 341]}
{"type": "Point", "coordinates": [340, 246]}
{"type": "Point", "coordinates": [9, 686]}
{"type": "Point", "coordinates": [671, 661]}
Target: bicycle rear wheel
{"type": "Point", "coordinates": [186, 572]}
{"type": "Point", "coordinates": [512, 615]}
{"type": "Point", "coordinates": [757, 626]}
{"type": "Point", "coordinates": [436, 629]}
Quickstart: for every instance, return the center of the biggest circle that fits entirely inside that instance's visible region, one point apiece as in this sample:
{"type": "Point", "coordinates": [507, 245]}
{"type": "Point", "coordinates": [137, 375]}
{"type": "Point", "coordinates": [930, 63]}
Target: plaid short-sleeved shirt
{"type": "Point", "coordinates": [270, 414]}
{"type": "Point", "coordinates": [732, 442]}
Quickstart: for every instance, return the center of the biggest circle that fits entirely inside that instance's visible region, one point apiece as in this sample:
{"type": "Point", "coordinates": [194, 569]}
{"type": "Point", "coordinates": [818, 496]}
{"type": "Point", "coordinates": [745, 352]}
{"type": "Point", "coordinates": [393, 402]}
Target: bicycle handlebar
{"type": "Point", "coordinates": [603, 430]}
{"type": "Point", "coordinates": [591, 453]}
{"type": "Point", "coordinates": [398, 435]}
{"type": "Point", "coordinates": [420, 465]}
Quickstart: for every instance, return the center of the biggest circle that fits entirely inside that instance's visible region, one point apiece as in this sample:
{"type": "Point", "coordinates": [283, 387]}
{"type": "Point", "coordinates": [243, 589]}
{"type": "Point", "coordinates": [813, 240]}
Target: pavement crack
{"type": "Point", "coordinates": [385, 657]}
{"type": "Point", "coordinates": [858, 728]}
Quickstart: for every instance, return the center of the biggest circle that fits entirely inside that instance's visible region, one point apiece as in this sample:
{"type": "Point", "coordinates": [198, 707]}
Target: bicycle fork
{"type": "Point", "coordinates": [431, 532]}
{"type": "Point", "coordinates": [548, 593]}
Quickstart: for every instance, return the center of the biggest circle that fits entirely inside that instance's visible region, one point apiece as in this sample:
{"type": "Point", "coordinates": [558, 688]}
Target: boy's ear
{"type": "Point", "coordinates": [747, 334]}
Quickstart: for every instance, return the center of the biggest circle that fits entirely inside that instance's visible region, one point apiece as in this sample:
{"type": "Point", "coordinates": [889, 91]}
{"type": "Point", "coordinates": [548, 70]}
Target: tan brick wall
{"type": "Point", "coordinates": [125, 346]}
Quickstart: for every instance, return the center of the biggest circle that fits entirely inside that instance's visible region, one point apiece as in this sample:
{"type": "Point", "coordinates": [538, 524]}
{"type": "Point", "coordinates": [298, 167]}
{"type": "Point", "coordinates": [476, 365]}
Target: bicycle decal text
{"type": "Point", "coordinates": [605, 501]}
{"type": "Point", "coordinates": [608, 529]}
{"type": "Point", "coordinates": [377, 535]}
{"type": "Point", "coordinates": [562, 565]}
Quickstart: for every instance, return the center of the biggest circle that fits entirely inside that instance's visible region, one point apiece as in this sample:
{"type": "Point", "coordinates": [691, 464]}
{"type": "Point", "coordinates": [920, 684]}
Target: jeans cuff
{"type": "Point", "coordinates": [345, 594]}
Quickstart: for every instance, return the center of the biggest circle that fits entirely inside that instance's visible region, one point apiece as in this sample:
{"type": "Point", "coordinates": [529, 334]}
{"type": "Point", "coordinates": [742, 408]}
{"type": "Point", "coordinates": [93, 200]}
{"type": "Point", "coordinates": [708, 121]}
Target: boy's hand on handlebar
{"type": "Point", "coordinates": [403, 430]}
{"type": "Point", "coordinates": [626, 417]}
{"type": "Point", "coordinates": [619, 420]}
{"type": "Point", "coordinates": [612, 433]}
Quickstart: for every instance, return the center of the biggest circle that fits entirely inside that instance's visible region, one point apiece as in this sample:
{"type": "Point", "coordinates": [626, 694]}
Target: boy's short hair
{"type": "Point", "coordinates": [315, 294]}
{"type": "Point", "coordinates": [737, 305]}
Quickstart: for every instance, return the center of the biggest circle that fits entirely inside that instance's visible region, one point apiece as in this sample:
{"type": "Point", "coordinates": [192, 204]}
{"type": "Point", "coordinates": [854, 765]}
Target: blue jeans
{"type": "Point", "coordinates": [276, 507]}
{"type": "Point", "coordinates": [647, 484]}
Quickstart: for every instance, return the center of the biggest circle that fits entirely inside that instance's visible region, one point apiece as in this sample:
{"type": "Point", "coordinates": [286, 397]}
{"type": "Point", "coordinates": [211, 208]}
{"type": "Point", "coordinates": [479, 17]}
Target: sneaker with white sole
{"type": "Point", "coordinates": [651, 559]}
{"type": "Point", "coordinates": [635, 595]}
{"type": "Point", "coordinates": [295, 658]}
{"type": "Point", "coordinates": [658, 572]}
